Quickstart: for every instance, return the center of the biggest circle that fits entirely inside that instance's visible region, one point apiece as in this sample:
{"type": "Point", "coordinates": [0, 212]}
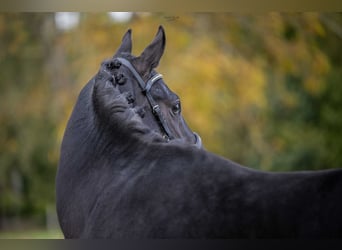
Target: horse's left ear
{"type": "Point", "coordinates": [150, 57]}
{"type": "Point", "coordinates": [126, 44]}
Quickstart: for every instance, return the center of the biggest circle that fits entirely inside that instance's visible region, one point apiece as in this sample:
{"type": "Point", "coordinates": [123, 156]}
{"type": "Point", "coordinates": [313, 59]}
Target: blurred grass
{"type": "Point", "coordinates": [32, 234]}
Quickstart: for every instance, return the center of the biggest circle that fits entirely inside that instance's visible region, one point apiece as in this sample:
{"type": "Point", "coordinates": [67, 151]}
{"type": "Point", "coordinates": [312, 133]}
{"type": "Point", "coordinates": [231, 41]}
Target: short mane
{"type": "Point", "coordinates": [114, 111]}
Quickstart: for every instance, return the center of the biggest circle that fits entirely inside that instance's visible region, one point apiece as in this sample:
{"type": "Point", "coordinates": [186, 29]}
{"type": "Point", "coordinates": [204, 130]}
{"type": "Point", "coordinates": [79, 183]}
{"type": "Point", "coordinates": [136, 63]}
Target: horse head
{"type": "Point", "coordinates": [145, 91]}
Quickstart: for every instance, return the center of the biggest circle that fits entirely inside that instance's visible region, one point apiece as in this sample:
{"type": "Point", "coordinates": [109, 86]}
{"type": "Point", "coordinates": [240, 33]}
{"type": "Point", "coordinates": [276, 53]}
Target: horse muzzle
{"type": "Point", "coordinates": [198, 140]}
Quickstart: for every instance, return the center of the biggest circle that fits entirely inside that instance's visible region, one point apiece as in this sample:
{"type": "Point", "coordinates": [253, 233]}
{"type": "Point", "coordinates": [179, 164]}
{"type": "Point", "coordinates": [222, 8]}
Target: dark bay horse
{"type": "Point", "coordinates": [130, 167]}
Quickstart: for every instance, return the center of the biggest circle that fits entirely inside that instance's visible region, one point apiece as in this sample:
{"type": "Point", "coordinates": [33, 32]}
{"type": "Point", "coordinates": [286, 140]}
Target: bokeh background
{"type": "Point", "coordinates": [264, 90]}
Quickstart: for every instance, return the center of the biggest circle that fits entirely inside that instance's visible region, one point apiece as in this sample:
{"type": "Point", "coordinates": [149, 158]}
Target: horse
{"type": "Point", "coordinates": [130, 167]}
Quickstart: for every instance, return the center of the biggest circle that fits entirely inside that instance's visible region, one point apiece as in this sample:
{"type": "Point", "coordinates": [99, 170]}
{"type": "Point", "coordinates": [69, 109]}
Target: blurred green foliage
{"type": "Point", "coordinates": [263, 90]}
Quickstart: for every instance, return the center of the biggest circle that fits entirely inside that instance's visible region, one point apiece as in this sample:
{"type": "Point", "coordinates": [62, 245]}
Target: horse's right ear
{"type": "Point", "coordinates": [126, 44]}
{"type": "Point", "coordinates": [151, 55]}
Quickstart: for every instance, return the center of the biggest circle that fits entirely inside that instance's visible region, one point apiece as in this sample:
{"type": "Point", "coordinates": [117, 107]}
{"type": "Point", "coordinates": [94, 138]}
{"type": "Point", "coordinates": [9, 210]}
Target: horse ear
{"type": "Point", "coordinates": [151, 55]}
{"type": "Point", "coordinates": [126, 44]}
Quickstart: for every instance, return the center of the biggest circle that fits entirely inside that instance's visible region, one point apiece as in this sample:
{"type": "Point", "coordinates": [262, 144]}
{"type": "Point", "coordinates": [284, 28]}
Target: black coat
{"type": "Point", "coordinates": [117, 180]}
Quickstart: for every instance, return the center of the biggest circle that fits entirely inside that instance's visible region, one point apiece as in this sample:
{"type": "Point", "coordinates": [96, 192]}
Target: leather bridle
{"type": "Point", "coordinates": [146, 87]}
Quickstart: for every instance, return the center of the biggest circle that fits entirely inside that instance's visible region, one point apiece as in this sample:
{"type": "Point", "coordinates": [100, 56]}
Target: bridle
{"type": "Point", "coordinates": [146, 87]}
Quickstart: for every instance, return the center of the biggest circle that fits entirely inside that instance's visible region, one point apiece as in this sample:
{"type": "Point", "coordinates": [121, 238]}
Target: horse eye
{"type": "Point", "coordinates": [176, 109]}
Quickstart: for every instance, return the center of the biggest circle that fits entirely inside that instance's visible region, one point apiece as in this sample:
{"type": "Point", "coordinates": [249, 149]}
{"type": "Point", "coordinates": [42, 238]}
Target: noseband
{"type": "Point", "coordinates": [146, 87]}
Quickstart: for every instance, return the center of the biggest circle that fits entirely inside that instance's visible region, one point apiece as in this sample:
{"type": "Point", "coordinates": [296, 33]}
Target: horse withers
{"type": "Point", "coordinates": [130, 167]}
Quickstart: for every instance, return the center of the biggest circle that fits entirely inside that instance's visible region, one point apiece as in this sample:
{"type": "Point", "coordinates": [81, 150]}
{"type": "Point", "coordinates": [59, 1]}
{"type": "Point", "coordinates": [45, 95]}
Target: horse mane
{"type": "Point", "coordinates": [114, 111]}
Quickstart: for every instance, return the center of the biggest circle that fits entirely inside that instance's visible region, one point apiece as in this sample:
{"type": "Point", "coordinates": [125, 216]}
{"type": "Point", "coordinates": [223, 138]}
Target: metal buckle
{"type": "Point", "coordinates": [166, 137]}
{"type": "Point", "coordinates": [156, 108]}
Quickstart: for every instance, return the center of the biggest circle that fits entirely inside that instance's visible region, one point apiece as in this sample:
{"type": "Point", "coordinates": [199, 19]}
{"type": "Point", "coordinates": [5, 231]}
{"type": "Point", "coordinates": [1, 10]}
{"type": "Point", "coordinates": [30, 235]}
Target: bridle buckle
{"type": "Point", "coordinates": [156, 109]}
